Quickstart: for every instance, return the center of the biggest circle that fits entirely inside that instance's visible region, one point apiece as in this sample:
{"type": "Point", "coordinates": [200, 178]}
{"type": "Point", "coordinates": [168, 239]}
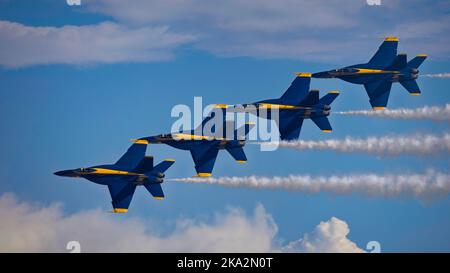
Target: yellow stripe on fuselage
{"type": "Point", "coordinates": [194, 137]}
{"type": "Point", "coordinates": [374, 71]}
{"type": "Point", "coordinates": [279, 106]}
{"type": "Point", "coordinates": [112, 172]}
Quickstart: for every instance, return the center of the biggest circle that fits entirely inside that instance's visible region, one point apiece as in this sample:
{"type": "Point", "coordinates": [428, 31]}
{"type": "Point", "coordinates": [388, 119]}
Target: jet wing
{"type": "Point", "coordinates": [121, 193]}
{"type": "Point", "coordinates": [385, 55]}
{"type": "Point", "coordinates": [378, 92]}
{"type": "Point", "coordinates": [132, 157]}
{"type": "Point", "coordinates": [290, 127]}
{"type": "Point", "coordinates": [298, 89]}
{"type": "Point", "coordinates": [204, 156]}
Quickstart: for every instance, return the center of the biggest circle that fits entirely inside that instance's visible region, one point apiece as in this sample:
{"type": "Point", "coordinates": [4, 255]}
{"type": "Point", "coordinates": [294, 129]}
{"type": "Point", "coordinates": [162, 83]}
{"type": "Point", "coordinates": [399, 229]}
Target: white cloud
{"type": "Point", "coordinates": [102, 43]}
{"type": "Point", "coordinates": [319, 30]}
{"type": "Point", "coordinates": [329, 236]}
{"type": "Point", "coordinates": [34, 228]}
{"type": "Point", "coordinates": [150, 30]}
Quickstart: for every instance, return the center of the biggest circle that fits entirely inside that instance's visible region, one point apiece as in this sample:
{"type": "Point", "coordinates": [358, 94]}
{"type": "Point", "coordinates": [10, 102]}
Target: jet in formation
{"type": "Point", "coordinates": [296, 104]}
{"type": "Point", "coordinates": [204, 145]}
{"type": "Point", "coordinates": [377, 76]}
{"type": "Point", "coordinates": [133, 169]}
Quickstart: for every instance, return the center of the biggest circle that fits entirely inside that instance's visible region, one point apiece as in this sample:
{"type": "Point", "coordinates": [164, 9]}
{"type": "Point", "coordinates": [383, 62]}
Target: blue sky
{"type": "Point", "coordinates": [64, 108]}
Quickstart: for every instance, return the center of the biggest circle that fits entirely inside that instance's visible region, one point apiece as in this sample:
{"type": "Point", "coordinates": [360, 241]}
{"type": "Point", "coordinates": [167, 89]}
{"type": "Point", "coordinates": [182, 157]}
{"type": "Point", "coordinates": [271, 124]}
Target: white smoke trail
{"type": "Point", "coordinates": [438, 75]}
{"type": "Point", "coordinates": [436, 113]}
{"type": "Point", "coordinates": [426, 186]}
{"type": "Point", "coordinates": [383, 146]}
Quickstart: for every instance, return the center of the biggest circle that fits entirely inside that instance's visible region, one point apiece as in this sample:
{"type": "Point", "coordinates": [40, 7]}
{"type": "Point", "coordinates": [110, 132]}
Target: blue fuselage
{"type": "Point", "coordinates": [360, 74]}
{"type": "Point", "coordinates": [109, 174]}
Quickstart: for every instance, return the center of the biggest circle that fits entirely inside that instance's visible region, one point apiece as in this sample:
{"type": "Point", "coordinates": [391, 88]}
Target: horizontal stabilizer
{"type": "Point", "coordinates": [323, 123]}
{"type": "Point", "coordinates": [155, 190]}
{"type": "Point", "coordinates": [329, 98]}
{"type": "Point", "coordinates": [238, 154]}
{"type": "Point", "coordinates": [164, 165]}
{"type": "Point", "coordinates": [417, 61]}
{"type": "Point", "coordinates": [411, 86]}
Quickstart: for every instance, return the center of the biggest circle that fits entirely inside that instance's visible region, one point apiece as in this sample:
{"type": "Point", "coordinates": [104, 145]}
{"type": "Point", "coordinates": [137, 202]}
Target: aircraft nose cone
{"type": "Point", "coordinates": [66, 173]}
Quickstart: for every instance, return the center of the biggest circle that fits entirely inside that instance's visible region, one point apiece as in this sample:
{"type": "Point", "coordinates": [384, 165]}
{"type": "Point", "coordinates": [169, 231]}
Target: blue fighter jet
{"type": "Point", "coordinates": [377, 76]}
{"type": "Point", "coordinates": [204, 145]}
{"type": "Point", "coordinates": [295, 105]}
{"type": "Point", "coordinates": [133, 169]}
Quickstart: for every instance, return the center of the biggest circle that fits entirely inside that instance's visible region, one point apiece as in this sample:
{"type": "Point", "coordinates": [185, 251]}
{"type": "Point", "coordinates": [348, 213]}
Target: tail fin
{"type": "Point", "coordinates": [412, 87]}
{"type": "Point", "coordinates": [417, 61]}
{"type": "Point", "coordinates": [163, 166]}
{"type": "Point", "coordinates": [329, 98]}
{"type": "Point", "coordinates": [298, 90]}
{"type": "Point", "coordinates": [385, 54]}
{"type": "Point", "coordinates": [399, 62]}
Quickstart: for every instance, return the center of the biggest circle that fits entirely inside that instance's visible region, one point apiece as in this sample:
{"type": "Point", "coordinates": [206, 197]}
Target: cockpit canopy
{"type": "Point", "coordinates": [347, 70]}
{"type": "Point", "coordinates": [85, 170]}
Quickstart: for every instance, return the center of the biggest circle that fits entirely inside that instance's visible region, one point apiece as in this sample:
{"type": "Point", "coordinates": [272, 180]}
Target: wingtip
{"type": "Point", "coordinates": [303, 74]}
{"type": "Point", "coordinates": [158, 197]}
{"type": "Point", "coordinates": [222, 106]}
{"type": "Point", "coordinates": [377, 108]}
{"type": "Point", "coordinates": [119, 210]}
{"type": "Point", "coordinates": [169, 160]}
{"type": "Point", "coordinates": [333, 92]}
{"type": "Point", "coordinates": [415, 94]}
{"type": "Point", "coordinates": [139, 141]}
{"type": "Point", "coordinates": [391, 39]}
{"type": "Point", "coordinates": [327, 131]}
{"type": "Point", "coordinates": [203, 175]}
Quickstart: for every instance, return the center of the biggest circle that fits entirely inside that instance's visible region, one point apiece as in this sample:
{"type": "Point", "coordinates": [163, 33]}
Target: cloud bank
{"type": "Point", "coordinates": [150, 30]}
{"type": "Point", "coordinates": [426, 186]}
{"type": "Point", "coordinates": [435, 113]}
{"type": "Point", "coordinates": [422, 145]}
{"type": "Point", "coordinates": [27, 227]}
{"type": "Point", "coordinates": [106, 42]}
{"type": "Point", "coordinates": [320, 30]}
